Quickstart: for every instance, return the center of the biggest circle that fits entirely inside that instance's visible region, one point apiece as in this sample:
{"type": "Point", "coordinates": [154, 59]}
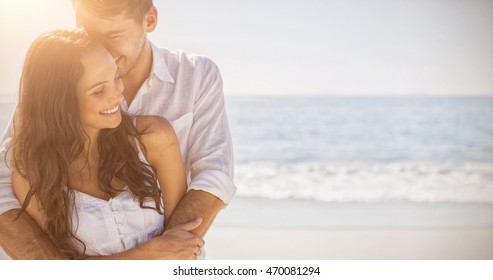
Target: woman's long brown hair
{"type": "Point", "coordinates": [49, 137]}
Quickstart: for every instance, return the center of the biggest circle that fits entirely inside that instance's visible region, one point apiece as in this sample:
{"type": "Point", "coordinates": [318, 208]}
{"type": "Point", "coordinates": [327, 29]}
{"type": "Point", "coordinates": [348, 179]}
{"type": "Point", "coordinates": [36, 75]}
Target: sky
{"type": "Point", "coordinates": [295, 47]}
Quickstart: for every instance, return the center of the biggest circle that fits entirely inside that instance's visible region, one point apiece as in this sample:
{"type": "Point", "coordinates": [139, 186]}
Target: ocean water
{"type": "Point", "coordinates": [363, 149]}
{"type": "Point", "coordinates": [360, 149]}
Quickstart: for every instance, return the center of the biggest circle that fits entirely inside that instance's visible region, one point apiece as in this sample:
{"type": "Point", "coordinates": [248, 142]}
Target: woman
{"type": "Point", "coordinates": [98, 181]}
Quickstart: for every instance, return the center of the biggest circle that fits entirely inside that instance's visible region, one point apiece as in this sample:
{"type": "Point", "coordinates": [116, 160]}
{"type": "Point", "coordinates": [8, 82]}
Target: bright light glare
{"type": "Point", "coordinates": [21, 21]}
{"type": "Point", "coordinates": [27, 9]}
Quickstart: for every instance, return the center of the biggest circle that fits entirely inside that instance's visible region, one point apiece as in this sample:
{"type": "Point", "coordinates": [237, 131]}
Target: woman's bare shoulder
{"type": "Point", "coordinates": [157, 134]}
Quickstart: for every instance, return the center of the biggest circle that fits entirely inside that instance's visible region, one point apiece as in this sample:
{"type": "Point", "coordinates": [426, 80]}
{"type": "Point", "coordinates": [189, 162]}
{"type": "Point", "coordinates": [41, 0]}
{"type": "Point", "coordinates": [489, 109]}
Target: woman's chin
{"type": "Point", "coordinates": [117, 123]}
{"type": "Point", "coordinates": [113, 121]}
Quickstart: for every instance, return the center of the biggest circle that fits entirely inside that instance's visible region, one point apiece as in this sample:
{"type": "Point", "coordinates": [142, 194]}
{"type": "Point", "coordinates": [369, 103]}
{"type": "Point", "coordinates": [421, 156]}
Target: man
{"type": "Point", "coordinates": [186, 90]}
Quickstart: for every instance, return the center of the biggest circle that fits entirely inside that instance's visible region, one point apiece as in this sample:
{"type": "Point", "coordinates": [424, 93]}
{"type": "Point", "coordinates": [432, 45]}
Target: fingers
{"type": "Point", "coordinates": [198, 248]}
{"type": "Point", "coordinates": [198, 251]}
{"type": "Point", "coordinates": [200, 242]}
{"type": "Point", "coordinates": [196, 242]}
{"type": "Point", "coordinates": [190, 225]}
{"type": "Point", "coordinates": [194, 250]}
{"type": "Point", "coordinates": [191, 252]}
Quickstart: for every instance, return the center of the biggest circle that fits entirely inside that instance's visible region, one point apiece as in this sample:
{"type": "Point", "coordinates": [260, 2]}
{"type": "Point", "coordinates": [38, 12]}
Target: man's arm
{"type": "Point", "coordinates": [22, 238]}
{"type": "Point", "coordinates": [210, 151]}
{"type": "Point", "coordinates": [196, 204]}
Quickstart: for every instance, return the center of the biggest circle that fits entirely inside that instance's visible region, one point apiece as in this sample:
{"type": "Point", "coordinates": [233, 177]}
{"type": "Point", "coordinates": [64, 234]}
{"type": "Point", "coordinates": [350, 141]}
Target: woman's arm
{"type": "Point", "coordinates": [162, 151]}
{"type": "Point", "coordinates": [177, 243]}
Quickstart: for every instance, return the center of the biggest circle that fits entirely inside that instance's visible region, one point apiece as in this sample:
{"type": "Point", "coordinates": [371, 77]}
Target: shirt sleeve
{"type": "Point", "coordinates": [8, 200]}
{"type": "Point", "coordinates": [210, 149]}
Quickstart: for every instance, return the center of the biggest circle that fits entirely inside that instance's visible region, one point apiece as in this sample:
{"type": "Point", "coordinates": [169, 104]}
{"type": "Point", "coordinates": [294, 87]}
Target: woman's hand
{"type": "Point", "coordinates": [177, 243]}
{"type": "Point", "coordinates": [181, 243]}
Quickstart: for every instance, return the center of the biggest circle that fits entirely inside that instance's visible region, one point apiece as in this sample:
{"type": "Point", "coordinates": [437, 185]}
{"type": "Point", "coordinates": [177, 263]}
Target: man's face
{"type": "Point", "coordinates": [124, 37]}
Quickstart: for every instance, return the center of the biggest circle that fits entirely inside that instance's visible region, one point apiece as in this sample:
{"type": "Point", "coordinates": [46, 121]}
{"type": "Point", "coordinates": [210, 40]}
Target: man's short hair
{"type": "Point", "coordinates": [135, 9]}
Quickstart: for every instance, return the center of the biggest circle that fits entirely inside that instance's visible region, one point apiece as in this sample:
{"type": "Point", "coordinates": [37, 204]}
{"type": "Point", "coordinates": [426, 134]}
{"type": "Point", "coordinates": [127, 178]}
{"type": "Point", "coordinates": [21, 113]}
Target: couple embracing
{"type": "Point", "coordinates": [117, 149]}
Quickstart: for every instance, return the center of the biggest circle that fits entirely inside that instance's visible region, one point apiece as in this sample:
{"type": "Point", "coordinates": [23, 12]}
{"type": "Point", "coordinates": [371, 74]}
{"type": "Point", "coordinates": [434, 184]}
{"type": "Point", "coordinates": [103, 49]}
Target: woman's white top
{"type": "Point", "coordinates": [112, 226]}
{"type": "Point", "coordinates": [116, 225]}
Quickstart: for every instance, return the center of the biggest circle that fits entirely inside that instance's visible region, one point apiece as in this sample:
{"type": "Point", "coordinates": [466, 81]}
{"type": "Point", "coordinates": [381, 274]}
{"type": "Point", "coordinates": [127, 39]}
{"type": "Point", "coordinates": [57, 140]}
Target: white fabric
{"type": "Point", "coordinates": [116, 225]}
{"type": "Point", "coordinates": [187, 90]}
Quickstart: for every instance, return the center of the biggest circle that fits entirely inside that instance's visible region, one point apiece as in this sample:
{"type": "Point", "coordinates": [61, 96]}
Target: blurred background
{"type": "Point", "coordinates": [361, 129]}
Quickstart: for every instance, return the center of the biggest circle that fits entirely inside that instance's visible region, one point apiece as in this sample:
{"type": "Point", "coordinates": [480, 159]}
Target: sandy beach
{"type": "Point", "coordinates": [290, 229]}
{"type": "Point", "coordinates": [349, 244]}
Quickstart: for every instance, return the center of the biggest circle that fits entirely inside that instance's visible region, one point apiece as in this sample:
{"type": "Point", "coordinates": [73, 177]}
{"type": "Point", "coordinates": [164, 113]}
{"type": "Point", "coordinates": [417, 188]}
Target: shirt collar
{"type": "Point", "coordinates": [159, 67]}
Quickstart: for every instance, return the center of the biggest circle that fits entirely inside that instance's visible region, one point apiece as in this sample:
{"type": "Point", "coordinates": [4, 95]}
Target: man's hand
{"type": "Point", "coordinates": [23, 239]}
{"type": "Point", "coordinates": [196, 204]}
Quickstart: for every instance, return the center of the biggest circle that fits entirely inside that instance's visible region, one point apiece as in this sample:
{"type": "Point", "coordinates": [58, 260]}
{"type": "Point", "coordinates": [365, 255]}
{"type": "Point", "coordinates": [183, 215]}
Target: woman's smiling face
{"type": "Point", "coordinates": [99, 91]}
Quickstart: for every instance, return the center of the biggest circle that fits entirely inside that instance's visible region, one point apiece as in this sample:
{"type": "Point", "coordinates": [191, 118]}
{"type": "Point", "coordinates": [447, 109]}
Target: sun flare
{"type": "Point", "coordinates": [31, 12]}
{"type": "Point", "coordinates": [21, 21]}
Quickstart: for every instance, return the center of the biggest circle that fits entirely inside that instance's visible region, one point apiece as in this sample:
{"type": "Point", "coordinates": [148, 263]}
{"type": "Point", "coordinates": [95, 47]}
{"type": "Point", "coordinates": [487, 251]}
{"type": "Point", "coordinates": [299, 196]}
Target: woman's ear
{"type": "Point", "coordinates": [150, 20]}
